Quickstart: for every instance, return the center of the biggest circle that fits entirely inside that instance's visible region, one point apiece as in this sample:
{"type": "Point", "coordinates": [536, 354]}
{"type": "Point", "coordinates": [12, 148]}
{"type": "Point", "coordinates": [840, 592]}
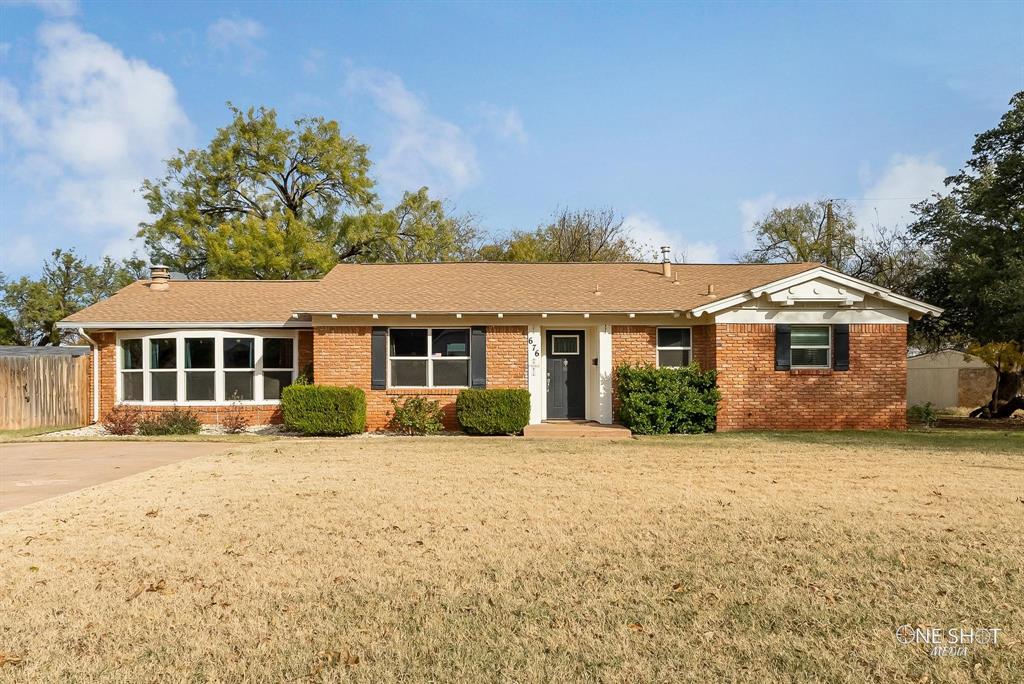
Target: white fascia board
{"type": "Point", "coordinates": [181, 325]}
{"type": "Point", "coordinates": [864, 286]}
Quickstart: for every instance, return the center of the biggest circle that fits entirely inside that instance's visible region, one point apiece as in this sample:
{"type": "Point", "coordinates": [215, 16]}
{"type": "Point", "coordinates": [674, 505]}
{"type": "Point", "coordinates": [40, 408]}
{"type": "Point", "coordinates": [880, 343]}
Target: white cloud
{"type": "Point", "coordinates": [905, 181]}
{"type": "Point", "coordinates": [238, 35]}
{"type": "Point", "coordinates": [313, 61]}
{"type": "Point", "coordinates": [504, 122]}
{"type": "Point", "coordinates": [423, 148]}
{"type": "Point", "coordinates": [651, 235]}
{"type": "Point", "coordinates": [54, 8]}
{"type": "Point", "coordinates": [92, 125]}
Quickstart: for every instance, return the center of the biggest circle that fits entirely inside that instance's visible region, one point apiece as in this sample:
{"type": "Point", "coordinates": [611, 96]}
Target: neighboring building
{"type": "Point", "coordinates": [949, 379]}
{"type": "Point", "coordinates": [796, 346]}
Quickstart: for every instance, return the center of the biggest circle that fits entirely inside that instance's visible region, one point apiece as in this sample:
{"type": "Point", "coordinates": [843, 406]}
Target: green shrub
{"type": "Point", "coordinates": [324, 410]}
{"type": "Point", "coordinates": [417, 416]}
{"type": "Point", "coordinates": [659, 401]}
{"type": "Point", "coordinates": [175, 422]}
{"type": "Point", "coordinates": [925, 414]}
{"type": "Point", "coordinates": [493, 411]}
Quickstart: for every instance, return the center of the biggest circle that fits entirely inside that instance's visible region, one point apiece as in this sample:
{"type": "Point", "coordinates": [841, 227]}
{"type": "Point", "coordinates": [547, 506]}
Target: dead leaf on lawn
{"type": "Point", "coordinates": [325, 659]}
{"type": "Point", "coordinates": [153, 513]}
{"type": "Point", "coordinates": [10, 659]}
{"type": "Point", "coordinates": [636, 627]}
{"type": "Point", "coordinates": [678, 586]}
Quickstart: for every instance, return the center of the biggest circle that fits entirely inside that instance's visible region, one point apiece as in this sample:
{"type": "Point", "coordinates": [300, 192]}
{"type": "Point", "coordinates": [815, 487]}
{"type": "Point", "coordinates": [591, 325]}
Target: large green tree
{"type": "Point", "coordinates": [571, 236]}
{"type": "Point", "coordinates": [32, 307]}
{"type": "Point", "coordinates": [976, 233]}
{"type": "Point", "coordinates": [265, 201]}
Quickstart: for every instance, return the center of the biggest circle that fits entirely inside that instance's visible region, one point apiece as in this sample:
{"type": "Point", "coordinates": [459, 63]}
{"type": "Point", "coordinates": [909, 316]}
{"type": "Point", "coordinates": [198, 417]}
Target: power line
{"type": "Point", "coordinates": [876, 199]}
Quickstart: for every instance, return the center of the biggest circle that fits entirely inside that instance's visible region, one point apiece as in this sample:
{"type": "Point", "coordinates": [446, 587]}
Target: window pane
{"type": "Point", "coordinates": [409, 373]}
{"type": "Point", "coordinates": [450, 342]}
{"type": "Point", "coordinates": [277, 353]}
{"type": "Point", "coordinates": [238, 386]}
{"type": "Point", "coordinates": [810, 357]}
{"type": "Point", "coordinates": [673, 357]}
{"type": "Point", "coordinates": [451, 373]}
{"type": "Point", "coordinates": [408, 341]}
{"type": "Point", "coordinates": [199, 386]}
{"type": "Point", "coordinates": [164, 386]}
{"type": "Point", "coordinates": [199, 352]}
{"type": "Point", "coordinates": [673, 337]}
{"type": "Point", "coordinates": [565, 344]}
{"type": "Point", "coordinates": [238, 352]}
{"type": "Point", "coordinates": [131, 354]}
{"type": "Point", "coordinates": [274, 382]}
{"type": "Point", "coordinates": [163, 353]}
{"type": "Point", "coordinates": [809, 336]}
{"type": "Point", "coordinates": [131, 386]}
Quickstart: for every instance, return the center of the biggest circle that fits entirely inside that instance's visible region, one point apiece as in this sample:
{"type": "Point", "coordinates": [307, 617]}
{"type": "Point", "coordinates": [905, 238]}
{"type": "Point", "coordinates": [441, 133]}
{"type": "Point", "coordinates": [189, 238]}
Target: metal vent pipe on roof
{"type": "Point", "coordinates": [666, 261]}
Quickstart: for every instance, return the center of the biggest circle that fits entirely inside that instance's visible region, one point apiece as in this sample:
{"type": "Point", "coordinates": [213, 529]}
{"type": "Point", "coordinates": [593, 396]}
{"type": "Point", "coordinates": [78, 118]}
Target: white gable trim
{"type": "Point", "coordinates": [844, 291]}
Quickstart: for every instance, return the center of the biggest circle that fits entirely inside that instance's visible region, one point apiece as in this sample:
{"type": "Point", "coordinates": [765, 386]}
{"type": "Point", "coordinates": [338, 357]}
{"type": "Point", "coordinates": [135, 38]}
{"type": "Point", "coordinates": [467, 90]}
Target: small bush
{"type": "Point", "coordinates": [659, 401]}
{"type": "Point", "coordinates": [324, 410]}
{"type": "Point", "coordinates": [234, 420]}
{"type": "Point", "coordinates": [122, 420]}
{"type": "Point", "coordinates": [417, 416]}
{"type": "Point", "coordinates": [174, 422]}
{"type": "Point", "coordinates": [493, 411]}
{"type": "Point", "coordinates": [925, 414]}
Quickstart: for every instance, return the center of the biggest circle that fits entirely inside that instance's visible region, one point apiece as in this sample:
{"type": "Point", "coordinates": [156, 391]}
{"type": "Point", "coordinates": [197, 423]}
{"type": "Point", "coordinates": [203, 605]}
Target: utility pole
{"type": "Point", "coordinates": [828, 234]}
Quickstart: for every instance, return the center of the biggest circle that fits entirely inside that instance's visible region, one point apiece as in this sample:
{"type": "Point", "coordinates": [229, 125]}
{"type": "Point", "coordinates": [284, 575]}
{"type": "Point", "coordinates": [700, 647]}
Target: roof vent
{"type": "Point", "coordinates": [666, 262]}
{"type": "Point", "coordinates": [711, 290]}
{"type": "Point", "coordinates": [159, 277]}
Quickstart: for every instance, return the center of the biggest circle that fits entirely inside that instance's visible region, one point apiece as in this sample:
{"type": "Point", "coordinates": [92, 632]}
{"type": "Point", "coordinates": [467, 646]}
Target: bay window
{"type": "Point", "coordinates": [205, 367]}
{"type": "Point", "coordinates": [674, 347]}
{"type": "Point", "coordinates": [428, 357]}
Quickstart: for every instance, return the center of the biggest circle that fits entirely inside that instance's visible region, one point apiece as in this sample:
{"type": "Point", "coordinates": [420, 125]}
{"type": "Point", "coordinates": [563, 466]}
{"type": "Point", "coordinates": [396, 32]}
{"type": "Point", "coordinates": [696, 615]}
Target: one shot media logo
{"type": "Point", "coordinates": [954, 641]}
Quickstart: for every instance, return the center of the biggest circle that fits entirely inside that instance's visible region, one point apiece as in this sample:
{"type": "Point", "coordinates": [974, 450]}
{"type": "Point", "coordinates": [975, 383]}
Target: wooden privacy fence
{"type": "Point", "coordinates": [42, 391]}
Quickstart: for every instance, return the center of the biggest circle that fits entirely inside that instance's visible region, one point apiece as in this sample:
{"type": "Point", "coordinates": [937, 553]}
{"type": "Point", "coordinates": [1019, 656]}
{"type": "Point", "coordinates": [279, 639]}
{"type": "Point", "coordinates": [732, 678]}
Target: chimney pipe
{"type": "Point", "coordinates": [159, 277]}
{"type": "Point", "coordinates": [666, 262]}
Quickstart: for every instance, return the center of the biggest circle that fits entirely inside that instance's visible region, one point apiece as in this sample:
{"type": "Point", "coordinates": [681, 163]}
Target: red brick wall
{"type": "Point", "coordinates": [209, 415]}
{"type": "Point", "coordinates": [342, 357]}
{"type": "Point", "coordinates": [871, 395]}
{"type": "Point", "coordinates": [703, 343]}
{"type": "Point", "coordinates": [632, 344]}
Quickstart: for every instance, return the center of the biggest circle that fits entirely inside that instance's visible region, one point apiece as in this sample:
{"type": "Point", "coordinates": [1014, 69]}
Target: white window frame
{"type": "Point", "coordinates": [120, 363]}
{"type": "Point", "coordinates": [218, 336]}
{"type": "Point", "coordinates": [658, 349]}
{"type": "Point", "coordinates": [828, 347]}
{"type": "Point", "coordinates": [575, 338]}
{"type": "Point", "coordinates": [429, 358]}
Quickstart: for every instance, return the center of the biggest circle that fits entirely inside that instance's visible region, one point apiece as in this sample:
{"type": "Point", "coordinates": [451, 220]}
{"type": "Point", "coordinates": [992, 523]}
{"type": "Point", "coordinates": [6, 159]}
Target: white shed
{"type": "Point", "coordinates": [949, 379]}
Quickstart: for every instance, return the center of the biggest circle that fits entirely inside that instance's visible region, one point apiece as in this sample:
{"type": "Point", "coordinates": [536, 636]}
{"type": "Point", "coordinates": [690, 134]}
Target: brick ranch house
{"type": "Point", "coordinates": [796, 346]}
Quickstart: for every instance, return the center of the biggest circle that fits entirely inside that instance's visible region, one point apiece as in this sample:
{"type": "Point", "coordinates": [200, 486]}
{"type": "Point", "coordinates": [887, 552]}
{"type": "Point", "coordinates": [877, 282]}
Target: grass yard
{"type": "Point", "coordinates": [720, 558]}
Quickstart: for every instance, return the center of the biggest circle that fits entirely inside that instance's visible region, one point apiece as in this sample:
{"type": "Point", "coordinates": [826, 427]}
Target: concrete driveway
{"type": "Point", "coordinates": [33, 471]}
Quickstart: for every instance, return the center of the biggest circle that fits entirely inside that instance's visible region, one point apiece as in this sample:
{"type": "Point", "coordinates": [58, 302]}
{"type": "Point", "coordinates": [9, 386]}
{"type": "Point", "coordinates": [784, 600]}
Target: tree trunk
{"type": "Point", "coordinates": [1006, 398]}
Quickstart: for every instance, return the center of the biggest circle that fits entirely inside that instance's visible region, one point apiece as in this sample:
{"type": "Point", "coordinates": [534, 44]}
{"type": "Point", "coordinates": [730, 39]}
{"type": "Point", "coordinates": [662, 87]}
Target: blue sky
{"type": "Point", "coordinates": [690, 119]}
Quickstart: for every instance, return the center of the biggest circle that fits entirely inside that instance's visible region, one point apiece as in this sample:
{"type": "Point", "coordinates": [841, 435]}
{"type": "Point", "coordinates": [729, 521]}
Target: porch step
{"type": "Point", "coordinates": [568, 429]}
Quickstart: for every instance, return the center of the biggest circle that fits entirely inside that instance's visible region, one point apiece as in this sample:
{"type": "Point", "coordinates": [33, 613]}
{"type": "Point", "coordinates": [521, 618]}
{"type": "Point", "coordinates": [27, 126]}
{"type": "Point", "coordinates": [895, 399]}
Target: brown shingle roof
{"type": "Point", "coordinates": [482, 287]}
{"type": "Point", "coordinates": [469, 287]}
{"type": "Point", "coordinates": [200, 301]}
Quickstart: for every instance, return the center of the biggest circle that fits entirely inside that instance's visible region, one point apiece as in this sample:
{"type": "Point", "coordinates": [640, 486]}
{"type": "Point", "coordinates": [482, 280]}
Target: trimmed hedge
{"type": "Point", "coordinates": [659, 401]}
{"type": "Point", "coordinates": [324, 410]}
{"type": "Point", "coordinates": [493, 411]}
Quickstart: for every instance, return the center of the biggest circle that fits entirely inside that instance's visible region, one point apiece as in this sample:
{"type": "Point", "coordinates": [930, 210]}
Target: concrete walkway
{"type": "Point", "coordinates": [33, 471]}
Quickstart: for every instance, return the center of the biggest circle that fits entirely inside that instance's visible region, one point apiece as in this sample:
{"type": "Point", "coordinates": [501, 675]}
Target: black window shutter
{"type": "Point", "coordinates": [478, 357]}
{"type": "Point", "coordinates": [782, 351]}
{"type": "Point", "coordinates": [379, 358]}
{"type": "Point", "coordinates": [841, 347]}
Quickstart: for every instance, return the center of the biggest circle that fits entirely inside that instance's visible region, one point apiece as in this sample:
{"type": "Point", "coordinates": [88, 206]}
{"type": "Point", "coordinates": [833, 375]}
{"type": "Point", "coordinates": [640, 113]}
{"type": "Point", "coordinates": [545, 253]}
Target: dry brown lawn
{"type": "Point", "coordinates": [721, 558]}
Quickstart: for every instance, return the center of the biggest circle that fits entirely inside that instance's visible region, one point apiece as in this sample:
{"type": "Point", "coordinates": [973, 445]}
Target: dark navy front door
{"type": "Point", "coordinates": [565, 374]}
